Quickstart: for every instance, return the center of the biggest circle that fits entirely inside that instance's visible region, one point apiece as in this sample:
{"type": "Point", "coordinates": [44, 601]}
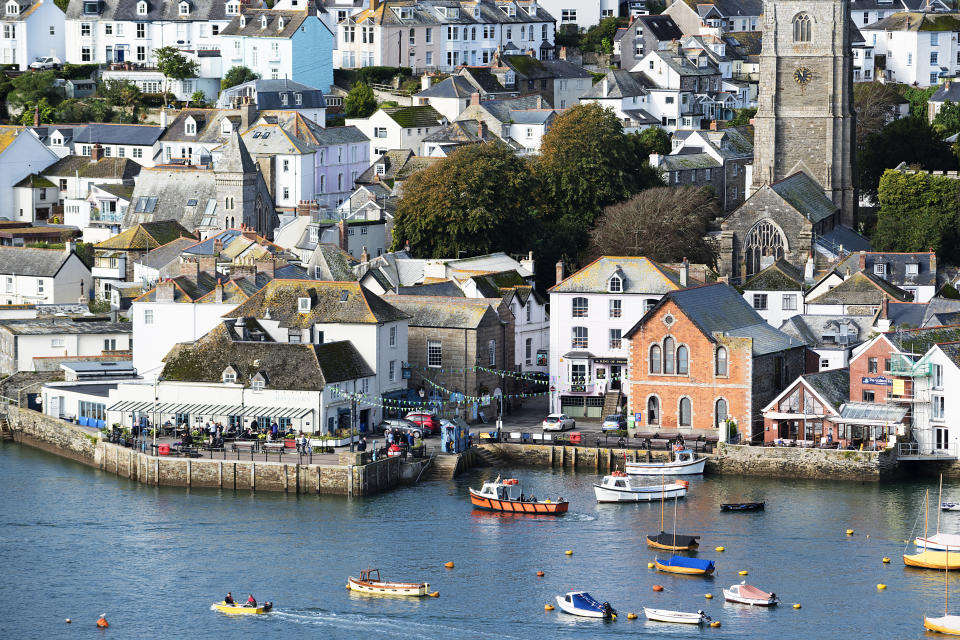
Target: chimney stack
{"type": "Point", "coordinates": [563, 53]}
{"type": "Point", "coordinates": [528, 263]}
{"type": "Point", "coordinates": [207, 264]}
{"type": "Point", "coordinates": [863, 260]}
{"type": "Point", "coordinates": [425, 81]}
{"type": "Point", "coordinates": [343, 232]}
{"type": "Point", "coordinates": [218, 292]}
{"type": "Point", "coordinates": [36, 116]}
{"type": "Point", "coordinates": [267, 266]}
{"type": "Point", "coordinates": [96, 152]}
{"type": "Point", "coordinates": [475, 98]}
{"type": "Point", "coordinates": [69, 247]}
{"type": "Point", "coordinates": [163, 117]}
{"type": "Point", "coordinates": [406, 246]}
{"type": "Point", "coordinates": [164, 291]}
{"type": "Point", "coordinates": [480, 129]}
{"type": "Point", "coordinates": [248, 113]}
{"type": "Point", "coordinates": [685, 273]}
{"type": "Point", "coordinates": [190, 267]}
{"type": "Point", "coordinates": [364, 256]}
{"type": "Point", "coordinates": [539, 102]}
{"type": "Point", "coordinates": [249, 232]}
{"type": "Point", "coordinates": [808, 270]}
{"type": "Point", "coordinates": [559, 271]}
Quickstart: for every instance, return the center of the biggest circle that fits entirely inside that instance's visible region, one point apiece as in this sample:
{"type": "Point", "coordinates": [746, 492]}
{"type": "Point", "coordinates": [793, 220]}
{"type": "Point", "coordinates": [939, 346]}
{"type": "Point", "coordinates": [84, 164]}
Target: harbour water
{"type": "Point", "coordinates": [75, 542]}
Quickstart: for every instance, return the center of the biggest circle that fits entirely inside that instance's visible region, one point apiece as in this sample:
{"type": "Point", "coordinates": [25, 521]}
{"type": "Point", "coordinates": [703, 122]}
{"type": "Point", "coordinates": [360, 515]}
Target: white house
{"type": "Point", "coordinates": [23, 341]}
{"type": "Point", "coordinates": [271, 95]}
{"type": "Point", "coordinates": [920, 47]}
{"type": "Point", "coordinates": [628, 95]}
{"type": "Point", "coordinates": [591, 310]}
{"type": "Point", "coordinates": [580, 15]}
{"type": "Point", "coordinates": [21, 154]}
{"type": "Point", "coordinates": [532, 328]}
{"type": "Point", "coordinates": [31, 29]}
{"type": "Point", "coordinates": [776, 292]}
{"type": "Point", "coordinates": [915, 273]}
{"type": "Point", "coordinates": [935, 406]}
{"type": "Point", "coordinates": [398, 128]}
{"type": "Point", "coordinates": [43, 276]}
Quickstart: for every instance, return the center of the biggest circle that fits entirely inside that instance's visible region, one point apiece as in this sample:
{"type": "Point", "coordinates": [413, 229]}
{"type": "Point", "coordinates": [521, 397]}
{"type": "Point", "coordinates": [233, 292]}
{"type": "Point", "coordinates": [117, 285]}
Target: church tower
{"type": "Point", "coordinates": [805, 117]}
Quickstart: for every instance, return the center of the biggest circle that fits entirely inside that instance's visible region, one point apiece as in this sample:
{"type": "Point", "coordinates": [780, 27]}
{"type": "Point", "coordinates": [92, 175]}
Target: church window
{"type": "Point", "coordinates": [764, 239]}
{"type": "Point", "coordinates": [802, 27]}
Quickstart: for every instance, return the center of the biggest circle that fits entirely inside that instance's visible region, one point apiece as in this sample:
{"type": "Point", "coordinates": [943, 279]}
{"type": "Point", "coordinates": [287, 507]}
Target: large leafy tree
{"type": "Point", "coordinates": [909, 140]}
{"type": "Point", "coordinates": [586, 163]}
{"type": "Point", "coordinates": [237, 75]}
{"type": "Point", "coordinates": [360, 101]}
{"type": "Point", "coordinates": [30, 88]}
{"type": "Point", "coordinates": [174, 65]}
{"type": "Point", "coordinates": [663, 223]}
{"type": "Point", "coordinates": [947, 121]}
{"type": "Point", "coordinates": [476, 201]}
{"type": "Point", "coordinates": [918, 212]}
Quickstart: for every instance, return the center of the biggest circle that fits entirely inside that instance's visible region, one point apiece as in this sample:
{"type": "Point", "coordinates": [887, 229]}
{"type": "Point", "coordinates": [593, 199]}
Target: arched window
{"type": "Point", "coordinates": [766, 238]}
{"type": "Point", "coordinates": [721, 368]}
{"type": "Point", "coordinates": [684, 418]}
{"type": "Point", "coordinates": [655, 359]}
{"type": "Point", "coordinates": [683, 365]}
{"type": "Point", "coordinates": [720, 412]}
{"type": "Point", "coordinates": [653, 410]}
{"type": "Point", "coordinates": [801, 27]}
{"type": "Point", "coordinates": [580, 307]}
{"type": "Point", "coordinates": [668, 355]}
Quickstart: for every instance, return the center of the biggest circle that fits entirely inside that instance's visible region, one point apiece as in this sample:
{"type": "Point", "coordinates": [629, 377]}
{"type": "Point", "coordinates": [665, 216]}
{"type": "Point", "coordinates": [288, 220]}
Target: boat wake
{"type": "Point", "coordinates": [361, 625]}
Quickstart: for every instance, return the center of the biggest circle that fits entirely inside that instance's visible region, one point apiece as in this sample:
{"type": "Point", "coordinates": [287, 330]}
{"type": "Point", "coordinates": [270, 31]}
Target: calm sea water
{"type": "Point", "coordinates": [75, 543]}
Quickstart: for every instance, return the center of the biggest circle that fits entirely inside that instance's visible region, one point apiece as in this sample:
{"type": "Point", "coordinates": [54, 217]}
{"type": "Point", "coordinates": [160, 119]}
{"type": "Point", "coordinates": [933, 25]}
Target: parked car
{"type": "Point", "coordinates": [404, 426]}
{"type": "Point", "coordinates": [425, 420]}
{"type": "Point", "coordinates": [558, 422]}
{"type": "Point", "coordinates": [614, 423]}
{"type": "Point", "coordinates": [45, 62]}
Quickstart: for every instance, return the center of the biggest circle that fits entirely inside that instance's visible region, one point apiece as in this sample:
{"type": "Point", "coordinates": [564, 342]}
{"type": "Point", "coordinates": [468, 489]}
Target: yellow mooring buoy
{"type": "Point", "coordinates": [548, 607]}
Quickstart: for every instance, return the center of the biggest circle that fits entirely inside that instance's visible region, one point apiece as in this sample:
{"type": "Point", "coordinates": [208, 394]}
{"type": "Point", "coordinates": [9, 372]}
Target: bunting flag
{"type": "Point", "coordinates": [533, 376]}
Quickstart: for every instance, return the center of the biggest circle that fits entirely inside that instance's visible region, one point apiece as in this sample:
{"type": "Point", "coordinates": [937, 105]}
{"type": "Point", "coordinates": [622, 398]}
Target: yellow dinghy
{"type": "Point", "coordinates": [371, 584]}
{"type": "Point", "coordinates": [932, 560]}
{"type": "Point", "coordinates": [949, 625]}
{"type": "Point", "coordinates": [237, 609]}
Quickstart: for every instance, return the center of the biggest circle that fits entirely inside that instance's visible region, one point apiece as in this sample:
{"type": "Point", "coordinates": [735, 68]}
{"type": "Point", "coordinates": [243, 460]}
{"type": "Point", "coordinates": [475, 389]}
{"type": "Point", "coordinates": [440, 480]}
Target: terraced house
{"type": "Point", "coordinates": [443, 34]}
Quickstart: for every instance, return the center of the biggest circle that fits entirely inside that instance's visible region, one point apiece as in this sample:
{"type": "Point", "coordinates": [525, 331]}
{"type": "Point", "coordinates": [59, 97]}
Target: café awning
{"type": "Point", "coordinates": [212, 410]}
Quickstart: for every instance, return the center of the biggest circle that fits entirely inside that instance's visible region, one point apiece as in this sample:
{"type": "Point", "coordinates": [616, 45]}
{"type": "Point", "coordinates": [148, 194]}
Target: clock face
{"type": "Point", "coordinates": [802, 76]}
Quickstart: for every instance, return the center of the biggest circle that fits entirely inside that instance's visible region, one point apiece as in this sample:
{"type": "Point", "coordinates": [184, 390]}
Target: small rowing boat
{"type": "Point", "coordinates": [507, 496]}
{"type": "Point", "coordinates": [684, 565]}
{"type": "Point", "coordinates": [950, 506]}
{"type": "Point", "coordinates": [948, 625]}
{"type": "Point", "coordinates": [679, 617]}
{"type": "Point", "coordinates": [237, 609]}
{"type": "Point", "coordinates": [743, 593]}
{"type": "Point", "coordinates": [742, 506]}
{"type": "Point", "coordinates": [933, 560]}
{"type": "Point", "coordinates": [618, 488]}
{"type": "Point", "coordinates": [370, 583]}
{"type": "Point", "coordinates": [581, 603]}
{"type": "Point", "coordinates": [684, 463]}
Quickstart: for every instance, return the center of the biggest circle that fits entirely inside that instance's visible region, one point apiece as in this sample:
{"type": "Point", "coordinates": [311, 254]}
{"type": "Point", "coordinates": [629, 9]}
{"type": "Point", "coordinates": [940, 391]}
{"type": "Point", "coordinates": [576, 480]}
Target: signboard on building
{"type": "Point", "coordinates": [638, 418]}
{"type": "Point", "coordinates": [879, 380]}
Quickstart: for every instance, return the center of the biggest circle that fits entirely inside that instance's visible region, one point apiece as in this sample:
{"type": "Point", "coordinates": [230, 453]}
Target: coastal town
{"type": "Point", "coordinates": [335, 247]}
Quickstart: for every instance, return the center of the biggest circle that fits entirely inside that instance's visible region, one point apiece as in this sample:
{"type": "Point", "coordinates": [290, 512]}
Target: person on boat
{"type": "Point", "coordinates": [228, 599]}
{"type": "Point", "coordinates": [251, 601]}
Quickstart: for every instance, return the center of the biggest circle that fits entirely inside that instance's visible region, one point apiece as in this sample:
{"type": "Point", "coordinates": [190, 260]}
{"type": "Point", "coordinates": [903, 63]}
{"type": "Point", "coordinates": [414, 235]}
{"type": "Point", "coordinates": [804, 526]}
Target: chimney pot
{"type": "Point", "coordinates": [96, 152]}
{"type": "Point", "coordinates": [685, 273]}
{"type": "Point", "coordinates": [559, 271]}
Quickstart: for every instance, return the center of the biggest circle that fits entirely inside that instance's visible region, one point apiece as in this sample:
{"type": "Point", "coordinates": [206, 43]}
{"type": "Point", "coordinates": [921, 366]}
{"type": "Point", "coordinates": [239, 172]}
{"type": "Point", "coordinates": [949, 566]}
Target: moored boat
{"type": "Point", "coordinates": [939, 542]}
{"type": "Point", "coordinates": [680, 617]}
{"type": "Point", "coordinates": [744, 593]}
{"type": "Point", "coordinates": [950, 506]}
{"type": "Point", "coordinates": [685, 462]}
{"type": "Point", "coordinates": [238, 609]}
{"type": "Point", "coordinates": [507, 496]}
{"type": "Point", "coordinates": [948, 625]}
{"type": "Point", "coordinates": [581, 603]}
{"type": "Point", "coordinates": [742, 506]}
{"type": "Point", "coordinates": [684, 565]}
{"type": "Point", "coordinates": [673, 541]}
{"type": "Point", "coordinates": [933, 560]}
{"type": "Point", "coordinates": [370, 582]}
{"type": "Point", "coordinates": [617, 487]}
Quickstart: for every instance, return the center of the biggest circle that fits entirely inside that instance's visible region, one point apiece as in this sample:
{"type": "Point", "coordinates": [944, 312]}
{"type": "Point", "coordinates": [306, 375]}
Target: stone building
{"type": "Point", "coordinates": [702, 356]}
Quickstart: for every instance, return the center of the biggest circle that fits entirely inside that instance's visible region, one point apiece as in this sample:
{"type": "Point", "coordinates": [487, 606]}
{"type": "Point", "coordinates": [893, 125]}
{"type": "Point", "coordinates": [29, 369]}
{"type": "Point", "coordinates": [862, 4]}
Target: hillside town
{"type": "Point", "coordinates": [732, 220]}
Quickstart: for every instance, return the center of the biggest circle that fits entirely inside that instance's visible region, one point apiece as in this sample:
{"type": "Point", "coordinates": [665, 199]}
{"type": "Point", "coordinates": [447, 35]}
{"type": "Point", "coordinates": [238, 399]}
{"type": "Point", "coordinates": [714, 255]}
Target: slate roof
{"type": "Point", "coordinates": [122, 191]}
{"type": "Point", "coordinates": [803, 194]}
{"type": "Point", "coordinates": [919, 341]}
{"type": "Point", "coordinates": [445, 288]}
{"type": "Point", "coordinates": [445, 312]}
{"type": "Point", "coordinates": [165, 254]}
{"type": "Point", "coordinates": [460, 132]}
{"type": "Point", "coordinates": [941, 308]}
{"type": "Point", "coordinates": [483, 79]}
{"type": "Point", "coordinates": [70, 326]}
{"type": "Point", "coordinates": [682, 65]}
{"type": "Point", "coordinates": [736, 8]}
{"type": "Point", "coordinates": [126, 10]}
{"type": "Point", "coordinates": [267, 94]}
{"type": "Point", "coordinates": [811, 328]}
{"type": "Point", "coordinates": [400, 164]}
{"type": "Point", "coordinates": [640, 275]}
{"type": "Point", "coordinates": [895, 265]}
{"type": "Point", "coordinates": [620, 84]}
{"type": "Point", "coordinates": [208, 123]}
{"type": "Point", "coordinates": [424, 13]}
{"type": "Point", "coordinates": [416, 116]}
{"type": "Point", "coordinates": [661, 27]}
{"type": "Point", "coordinates": [186, 288]}
{"type": "Point", "coordinates": [833, 386]}
{"type": "Point", "coordinates": [21, 261]}
{"type": "Point", "coordinates": [82, 166]}
{"type": "Point", "coordinates": [946, 91]}
{"type": "Point", "coordinates": [531, 68]}
{"type": "Point", "coordinates": [147, 235]}
{"type": "Point", "coordinates": [285, 366]}
{"type": "Point", "coordinates": [270, 140]}
{"type": "Point", "coordinates": [234, 156]}
{"type": "Point", "coordinates": [452, 87]}
{"type": "Point", "coordinates": [492, 285]}
{"type": "Point", "coordinates": [951, 350]}
{"type": "Point", "coordinates": [862, 288]}
{"type": "Point", "coordinates": [909, 314]}
{"type": "Point", "coordinates": [132, 134]}
{"type": "Point", "coordinates": [330, 302]}
{"type": "Point", "coordinates": [291, 23]}
{"type": "Point", "coordinates": [916, 21]}
{"type": "Point", "coordinates": [844, 236]}
{"type": "Point", "coordinates": [780, 276]}
{"type": "Point", "coordinates": [719, 308]}
{"type": "Point", "coordinates": [335, 263]}
{"type": "Point", "coordinates": [683, 161]}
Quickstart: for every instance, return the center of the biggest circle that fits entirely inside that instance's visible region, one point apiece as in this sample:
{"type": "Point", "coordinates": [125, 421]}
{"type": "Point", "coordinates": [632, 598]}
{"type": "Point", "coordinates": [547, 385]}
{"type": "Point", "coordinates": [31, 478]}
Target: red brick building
{"type": "Point", "coordinates": [703, 355]}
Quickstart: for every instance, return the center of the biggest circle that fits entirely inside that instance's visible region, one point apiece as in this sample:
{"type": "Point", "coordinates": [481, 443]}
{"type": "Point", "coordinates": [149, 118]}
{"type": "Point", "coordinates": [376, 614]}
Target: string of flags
{"type": "Point", "coordinates": [483, 399]}
{"type": "Point", "coordinates": [534, 376]}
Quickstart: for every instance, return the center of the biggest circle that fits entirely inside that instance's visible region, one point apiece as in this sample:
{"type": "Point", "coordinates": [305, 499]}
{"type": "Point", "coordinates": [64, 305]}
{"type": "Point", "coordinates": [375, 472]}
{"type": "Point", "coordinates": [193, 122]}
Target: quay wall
{"type": "Point", "coordinates": [560, 456]}
{"type": "Point", "coordinates": [66, 440]}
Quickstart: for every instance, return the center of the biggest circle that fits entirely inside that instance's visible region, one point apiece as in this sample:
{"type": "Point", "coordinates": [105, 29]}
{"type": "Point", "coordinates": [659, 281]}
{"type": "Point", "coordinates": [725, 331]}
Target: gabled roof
{"type": "Point", "coordinates": [661, 27]}
{"type": "Point", "coordinates": [452, 87]}
{"type": "Point", "coordinates": [640, 275]}
{"type": "Point", "coordinates": [234, 157]}
{"type": "Point", "coordinates": [917, 21]}
{"type": "Point", "coordinates": [811, 329]}
{"type": "Point", "coordinates": [831, 387]}
{"type": "Point", "coordinates": [619, 84]}
{"type": "Point", "coordinates": [292, 20]}
{"type": "Point", "coordinates": [416, 116]}
{"type": "Point", "coordinates": [780, 276]}
{"type": "Point", "coordinates": [806, 196]}
{"type": "Point", "coordinates": [919, 341]}
{"type": "Point", "coordinates": [165, 254]}
{"type": "Point", "coordinates": [132, 134]}
{"type": "Point", "coordinates": [895, 266]}
{"type": "Point", "coordinates": [31, 262]}
{"type": "Point", "coordinates": [861, 288]}
{"type": "Point", "coordinates": [531, 68]}
{"type": "Point", "coordinates": [445, 312]}
{"type": "Point", "coordinates": [83, 167]}
{"type": "Point", "coordinates": [148, 235]}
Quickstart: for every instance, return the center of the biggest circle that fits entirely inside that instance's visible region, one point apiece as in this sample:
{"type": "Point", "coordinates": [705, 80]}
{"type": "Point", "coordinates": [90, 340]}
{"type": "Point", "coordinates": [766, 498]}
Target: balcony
{"type": "Point", "coordinates": [902, 365]}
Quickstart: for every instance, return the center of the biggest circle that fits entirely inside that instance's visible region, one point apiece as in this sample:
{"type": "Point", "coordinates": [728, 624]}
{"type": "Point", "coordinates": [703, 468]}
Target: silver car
{"type": "Point", "coordinates": [558, 422]}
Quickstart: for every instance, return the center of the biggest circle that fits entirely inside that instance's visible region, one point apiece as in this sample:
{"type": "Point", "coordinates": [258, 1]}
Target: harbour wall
{"type": "Point", "coordinates": [44, 432]}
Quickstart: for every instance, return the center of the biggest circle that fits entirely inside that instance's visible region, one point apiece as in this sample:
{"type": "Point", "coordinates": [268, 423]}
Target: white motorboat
{"type": "Point", "coordinates": [939, 542]}
{"type": "Point", "coordinates": [581, 603]}
{"type": "Point", "coordinates": [679, 617]}
{"type": "Point", "coordinates": [950, 506]}
{"type": "Point", "coordinates": [743, 593]}
{"type": "Point", "coordinates": [618, 488]}
{"type": "Point", "coordinates": [684, 463]}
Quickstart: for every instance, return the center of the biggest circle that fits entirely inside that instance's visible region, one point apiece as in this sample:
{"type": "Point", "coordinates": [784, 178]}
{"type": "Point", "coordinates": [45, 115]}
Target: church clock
{"type": "Point", "coordinates": [802, 76]}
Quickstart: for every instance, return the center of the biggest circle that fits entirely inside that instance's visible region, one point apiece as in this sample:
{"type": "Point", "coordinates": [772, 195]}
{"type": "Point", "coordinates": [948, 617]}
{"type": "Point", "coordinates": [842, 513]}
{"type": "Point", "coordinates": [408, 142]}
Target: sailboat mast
{"type": "Point", "coordinates": [939, 502]}
{"type": "Point", "coordinates": [661, 502]}
{"type": "Point", "coordinates": [675, 501]}
{"type": "Point", "coordinates": [926, 513]}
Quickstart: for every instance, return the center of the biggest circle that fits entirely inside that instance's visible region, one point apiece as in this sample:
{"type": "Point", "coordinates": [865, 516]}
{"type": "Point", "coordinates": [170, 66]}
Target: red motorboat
{"type": "Point", "coordinates": [507, 496]}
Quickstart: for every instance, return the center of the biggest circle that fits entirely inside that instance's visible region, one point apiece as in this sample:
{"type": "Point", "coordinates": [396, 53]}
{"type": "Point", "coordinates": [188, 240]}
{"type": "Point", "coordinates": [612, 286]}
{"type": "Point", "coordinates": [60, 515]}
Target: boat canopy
{"type": "Point", "coordinates": [673, 540]}
{"type": "Point", "coordinates": [584, 600]}
{"type": "Point", "coordinates": [689, 563]}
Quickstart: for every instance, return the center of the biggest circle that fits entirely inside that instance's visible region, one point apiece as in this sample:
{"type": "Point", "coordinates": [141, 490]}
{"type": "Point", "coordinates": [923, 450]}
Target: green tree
{"type": "Point", "coordinates": [917, 212]}
{"type": "Point", "coordinates": [665, 224]}
{"type": "Point", "coordinates": [586, 163]}
{"type": "Point", "coordinates": [742, 117]}
{"type": "Point", "coordinates": [174, 65]}
{"type": "Point", "coordinates": [593, 39]}
{"type": "Point", "coordinates": [947, 121]}
{"type": "Point", "coordinates": [918, 99]}
{"type": "Point", "coordinates": [73, 110]}
{"type": "Point", "coordinates": [30, 88]}
{"type": "Point", "coordinates": [654, 140]}
{"type": "Point", "coordinates": [46, 112]}
{"type": "Point", "coordinates": [198, 99]}
{"type": "Point", "coordinates": [478, 200]}
{"type": "Point", "coordinates": [909, 140]}
{"type": "Point", "coordinates": [121, 93]}
{"type": "Point", "coordinates": [237, 75]}
{"type": "Point", "coordinates": [360, 101]}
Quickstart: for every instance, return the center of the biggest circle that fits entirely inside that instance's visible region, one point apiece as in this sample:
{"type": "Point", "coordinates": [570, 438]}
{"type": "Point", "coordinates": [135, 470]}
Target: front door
{"type": "Point", "coordinates": [615, 376]}
{"type": "Point", "coordinates": [784, 430]}
{"type": "Point", "coordinates": [941, 437]}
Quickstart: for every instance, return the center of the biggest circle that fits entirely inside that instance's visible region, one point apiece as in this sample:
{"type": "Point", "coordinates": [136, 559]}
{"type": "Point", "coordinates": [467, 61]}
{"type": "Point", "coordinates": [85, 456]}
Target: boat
{"type": "Point", "coordinates": [684, 463]}
{"type": "Point", "coordinates": [945, 624]}
{"type": "Point", "coordinates": [680, 617]}
{"type": "Point", "coordinates": [671, 541]}
{"type": "Point", "coordinates": [939, 542]}
{"type": "Point", "coordinates": [950, 506]}
{"type": "Point", "coordinates": [685, 565]}
{"type": "Point", "coordinates": [932, 560]}
{"type": "Point", "coordinates": [933, 549]}
{"type": "Point", "coordinates": [370, 582]}
{"type": "Point", "coordinates": [744, 593]}
{"type": "Point", "coordinates": [581, 603]}
{"type": "Point", "coordinates": [239, 609]}
{"type": "Point", "coordinates": [507, 496]}
{"type": "Point", "coordinates": [617, 488]}
{"type": "Point", "coordinates": [742, 506]}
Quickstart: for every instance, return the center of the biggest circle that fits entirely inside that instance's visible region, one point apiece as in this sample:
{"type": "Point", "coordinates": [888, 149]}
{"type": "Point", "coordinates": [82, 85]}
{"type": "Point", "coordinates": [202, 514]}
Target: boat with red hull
{"type": "Point", "coordinates": [507, 496]}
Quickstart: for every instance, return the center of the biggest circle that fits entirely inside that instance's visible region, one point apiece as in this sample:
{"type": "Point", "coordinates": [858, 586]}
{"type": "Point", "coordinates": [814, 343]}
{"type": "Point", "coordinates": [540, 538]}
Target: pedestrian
{"type": "Point", "coordinates": [362, 445]}
{"type": "Point", "coordinates": [304, 443]}
{"type": "Point", "coordinates": [411, 439]}
{"type": "Point", "coordinates": [389, 436]}
{"type": "Point", "coordinates": [273, 430]}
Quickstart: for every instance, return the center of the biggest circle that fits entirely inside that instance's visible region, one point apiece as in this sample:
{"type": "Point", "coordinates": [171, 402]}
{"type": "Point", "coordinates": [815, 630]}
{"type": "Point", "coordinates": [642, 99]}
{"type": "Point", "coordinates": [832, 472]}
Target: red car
{"type": "Point", "coordinates": [427, 421]}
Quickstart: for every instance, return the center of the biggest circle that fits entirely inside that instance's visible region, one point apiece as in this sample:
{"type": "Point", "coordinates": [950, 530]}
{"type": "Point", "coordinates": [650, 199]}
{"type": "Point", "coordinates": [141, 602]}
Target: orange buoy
{"type": "Point", "coordinates": [435, 594]}
{"type": "Point", "coordinates": [449, 565]}
{"type": "Point", "coordinates": [548, 607]}
{"type": "Point", "coordinates": [539, 574]}
{"type": "Point", "coordinates": [102, 621]}
{"type": "Point", "coordinates": [657, 587]}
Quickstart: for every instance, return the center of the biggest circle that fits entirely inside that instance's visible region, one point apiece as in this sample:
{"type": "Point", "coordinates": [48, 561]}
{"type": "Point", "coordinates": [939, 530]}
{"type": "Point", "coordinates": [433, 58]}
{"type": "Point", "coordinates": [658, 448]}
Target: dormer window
{"type": "Point", "coordinates": [263, 22]}
{"type": "Point", "coordinates": [405, 13]}
{"type": "Point", "coordinates": [615, 284]}
{"type": "Point", "coordinates": [91, 8]}
{"type": "Point", "coordinates": [381, 169]}
{"type": "Point", "coordinates": [142, 8]}
{"type": "Point", "coordinates": [56, 140]}
{"type": "Point", "coordinates": [913, 268]}
{"type": "Point", "coordinates": [258, 382]}
{"type": "Point", "coordinates": [190, 126]}
{"type": "Point", "coordinates": [303, 305]}
{"type": "Point", "coordinates": [229, 376]}
{"type": "Point", "coordinates": [449, 12]}
{"type": "Point", "coordinates": [298, 98]}
{"type": "Point", "coordinates": [879, 269]}
{"type": "Point", "coordinates": [226, 126]}
{"type": "Point", "coordinates": [184, 9]}
{"type": "Point", "coordinates": [233, 8]}
{"type": "Point", "coordinates": [280, 23]}
{"type": "Point", "coordinates": [13, 8]}
{"type": "Point", "coordinates": [476, 12]}
{"type": "Point", "coordinates": [532, 9]}
{"type": "Point", "coordinates": [243, 21]}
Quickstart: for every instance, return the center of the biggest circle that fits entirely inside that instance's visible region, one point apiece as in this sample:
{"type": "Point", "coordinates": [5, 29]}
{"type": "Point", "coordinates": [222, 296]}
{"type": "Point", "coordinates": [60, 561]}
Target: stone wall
{"type": "Point", "coordinates": [545, 455]}
{"type": "Point", "coordinates": [50, 434]}
{"type": "Point", "coordinates": [792, 462]}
